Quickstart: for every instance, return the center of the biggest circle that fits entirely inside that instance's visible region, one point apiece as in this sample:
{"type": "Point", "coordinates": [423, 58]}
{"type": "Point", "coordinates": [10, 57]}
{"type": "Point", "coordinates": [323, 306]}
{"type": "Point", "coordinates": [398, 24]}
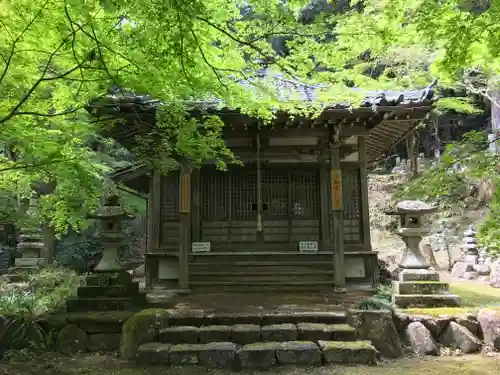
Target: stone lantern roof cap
{"type": "Point", "coordinates": [111, 210]}
{"type": "Point", "coordinates": [414, 207]}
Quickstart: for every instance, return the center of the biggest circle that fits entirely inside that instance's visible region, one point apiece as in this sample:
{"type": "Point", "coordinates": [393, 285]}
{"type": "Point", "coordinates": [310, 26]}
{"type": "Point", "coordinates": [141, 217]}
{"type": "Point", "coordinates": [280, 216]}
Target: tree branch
{"type": "Point", "coordinates": [28, 166]}
{"type": "Point", "coordinates": [271, 59]}
{"type": "Point", "coordinates": [13, 48]}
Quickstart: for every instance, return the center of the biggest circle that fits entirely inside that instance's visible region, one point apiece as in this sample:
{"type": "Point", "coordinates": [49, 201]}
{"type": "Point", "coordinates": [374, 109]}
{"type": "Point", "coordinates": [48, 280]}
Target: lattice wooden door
{"type": "Point", "coordinates": [228, 212]}
{"type": "Point", "coordinates": [290, 205]}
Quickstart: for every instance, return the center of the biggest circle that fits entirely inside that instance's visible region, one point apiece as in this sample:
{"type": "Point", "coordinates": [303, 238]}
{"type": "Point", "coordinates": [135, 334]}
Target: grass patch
{"type": "Point", "coordinates": [476, 294]}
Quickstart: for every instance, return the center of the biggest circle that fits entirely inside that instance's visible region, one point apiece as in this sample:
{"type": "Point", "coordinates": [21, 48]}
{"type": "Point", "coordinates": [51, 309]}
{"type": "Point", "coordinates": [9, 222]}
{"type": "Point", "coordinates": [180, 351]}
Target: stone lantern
{"type": "Point", "coordinates": [109, 287]}
{"type": "Point", "coordinates": [418, 284]}
{"type": "Point", "coordinates": [110, 234]}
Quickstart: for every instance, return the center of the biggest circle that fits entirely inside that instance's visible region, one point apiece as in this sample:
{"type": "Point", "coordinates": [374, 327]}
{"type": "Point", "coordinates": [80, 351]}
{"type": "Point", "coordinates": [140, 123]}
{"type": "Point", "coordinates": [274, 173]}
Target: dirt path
{"type": "Point", "coordinates": [108, 365]}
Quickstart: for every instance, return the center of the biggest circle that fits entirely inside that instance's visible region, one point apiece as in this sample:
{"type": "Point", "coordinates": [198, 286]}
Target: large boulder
{"type": "Point", "coordinates": [489, 319]}
{"type": "Point", "coordinates": [140, 329]}
{"type": "Point", "coordinates": [72, 340]}
{"type": "Point", "coordinates": [377, 327]}
{"type": "Point", "coordinates": [456, 336]}
{"type": "Point", "coordinates": [419, 338]}
{"type": "Point", "coordinates": [471, 323]}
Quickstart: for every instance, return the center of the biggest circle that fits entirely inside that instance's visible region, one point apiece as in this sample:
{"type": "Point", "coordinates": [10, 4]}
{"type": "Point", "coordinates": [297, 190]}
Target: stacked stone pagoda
{"type": "Point", "coordinates": [109, 287]}
{"type": "Point", "coordinates": [418, 284]}
{"type": "Point", "coordinates": [469, 248]}
{"type": "Point", "coordinates": [29, 247]}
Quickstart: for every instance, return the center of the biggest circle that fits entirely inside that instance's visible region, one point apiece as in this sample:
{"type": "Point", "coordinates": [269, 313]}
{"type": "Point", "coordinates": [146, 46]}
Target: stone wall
{"type": "Point", "coordinates": [67, 333]}
{"type": "Point", "coordinates": [393, 335]}
{"type": "Point", "coordinates": [399, 334]}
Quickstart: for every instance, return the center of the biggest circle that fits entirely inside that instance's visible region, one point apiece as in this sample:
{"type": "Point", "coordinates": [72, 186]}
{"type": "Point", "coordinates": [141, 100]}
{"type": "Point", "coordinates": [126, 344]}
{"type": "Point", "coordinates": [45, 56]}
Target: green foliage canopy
{"type": "Point", "coordinates": [56, 56]}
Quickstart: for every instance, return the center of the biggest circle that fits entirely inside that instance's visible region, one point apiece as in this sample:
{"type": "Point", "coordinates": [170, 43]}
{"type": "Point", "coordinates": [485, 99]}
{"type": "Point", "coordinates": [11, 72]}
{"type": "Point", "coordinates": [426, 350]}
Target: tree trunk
{"type": "Point", "coordinates": [412, 152]}
{"type": "Point", "coordinates": [49, 242]}
{"type": "Point", "coordinates": [495, 118]}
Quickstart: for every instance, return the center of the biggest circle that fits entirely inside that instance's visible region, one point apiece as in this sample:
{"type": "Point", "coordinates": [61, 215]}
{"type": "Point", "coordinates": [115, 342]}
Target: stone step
{"type": "Point", "coordinates": [180, 318]}
{"type": "Point", "coordinates": [243, 334]}
{"type": "Point", "coordinates": [421, 287]}
{"type": "Point", "coordinates": [430, 300]}
{"type": "Point", "coordinates": [257, 355]}
{"type": "Point", "coordinates": [263, 277]}
{"type": "Point", "coordinates": [277, 285]}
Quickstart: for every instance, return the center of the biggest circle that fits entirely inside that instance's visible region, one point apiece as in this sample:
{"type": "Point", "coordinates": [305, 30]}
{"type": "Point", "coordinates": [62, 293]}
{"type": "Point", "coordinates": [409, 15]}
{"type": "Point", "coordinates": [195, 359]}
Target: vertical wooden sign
{"type": "Point", "coordinates": [184, 191]}
{"type": "Point", "coordinates": [336, 188]}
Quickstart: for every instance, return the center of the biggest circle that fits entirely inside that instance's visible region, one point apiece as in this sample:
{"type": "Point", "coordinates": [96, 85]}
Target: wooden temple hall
{"type": "Point", "coordinates": [294, 217]}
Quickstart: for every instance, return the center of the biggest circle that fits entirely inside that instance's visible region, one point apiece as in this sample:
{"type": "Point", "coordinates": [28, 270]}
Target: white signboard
{"type": "Point", "coordinates": [200, 247]}
{"type": "Point", "coordinates": [308, 246]}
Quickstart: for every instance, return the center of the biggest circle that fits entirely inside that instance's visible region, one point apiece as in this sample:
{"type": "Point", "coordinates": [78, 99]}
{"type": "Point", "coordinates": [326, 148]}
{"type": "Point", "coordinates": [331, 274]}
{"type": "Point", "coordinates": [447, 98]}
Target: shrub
{"type": "Point", "coordinates": [380, 301]}
{"type": "Point", "coordinates": [44, 292]}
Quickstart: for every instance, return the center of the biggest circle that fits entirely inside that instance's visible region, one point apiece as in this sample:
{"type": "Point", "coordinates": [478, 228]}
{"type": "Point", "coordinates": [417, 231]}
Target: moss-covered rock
{"type": "Point", "coordinates": [377, 327]}
{"type": "Point", "coordinates": [140, 329]}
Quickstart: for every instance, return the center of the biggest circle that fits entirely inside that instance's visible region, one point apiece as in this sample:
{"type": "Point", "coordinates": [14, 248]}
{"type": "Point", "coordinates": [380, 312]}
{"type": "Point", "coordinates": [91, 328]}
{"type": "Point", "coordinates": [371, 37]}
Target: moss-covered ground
{"type": "Point", "coordinates": [106, 365]}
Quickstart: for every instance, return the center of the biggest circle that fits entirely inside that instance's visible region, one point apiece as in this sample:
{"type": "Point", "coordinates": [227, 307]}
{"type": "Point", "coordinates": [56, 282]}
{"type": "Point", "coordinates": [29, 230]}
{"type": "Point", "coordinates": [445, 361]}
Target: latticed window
{"type": "Point", "coordinates": [169, 232]}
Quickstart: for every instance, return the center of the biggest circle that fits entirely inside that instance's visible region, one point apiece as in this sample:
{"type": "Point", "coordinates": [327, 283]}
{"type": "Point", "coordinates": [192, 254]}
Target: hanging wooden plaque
{"type": "Point", "coordinates": [336, 188]}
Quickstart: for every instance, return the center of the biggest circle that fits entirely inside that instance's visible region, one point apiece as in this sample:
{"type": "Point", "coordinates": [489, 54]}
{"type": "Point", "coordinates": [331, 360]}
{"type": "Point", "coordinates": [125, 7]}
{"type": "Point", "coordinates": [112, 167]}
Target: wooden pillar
{"type": "Point", "coordinates": [337, 211]}
{"type": "Point", "coordinates": [185, 226]}
{"type": "Point", "coordinates": [153, 231]}
{"type": "Point", "coordinates": [195, 206]}
{"type": "Point", "coordinates": [325, 199]}
{"type": "Point", "coordinates": [365, 211]}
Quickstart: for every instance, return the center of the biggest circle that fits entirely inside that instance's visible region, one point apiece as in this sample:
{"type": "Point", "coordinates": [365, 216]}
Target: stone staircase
{"type": "Point", "coordinates": [239, 341]}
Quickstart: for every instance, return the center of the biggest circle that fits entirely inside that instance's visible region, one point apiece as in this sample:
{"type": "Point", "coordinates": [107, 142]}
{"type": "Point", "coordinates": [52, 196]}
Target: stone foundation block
{"type": "Point", "coordinates": [418, 275]}
{"type": "Point", "coordinates": [259, 355]}
{"type": "Point", "coordinates": [184, 354]}
{"type": "Point", "coordinates": [214, 334]}
{"type": "Point", "coordinates": [243, 334]}
{"type": "Point", "coordinates": [106, 304]}
{"type": "Point", "coordinates": [108, 279]}
{"type": "Point", "coordinates": [298, 353]}
{"type": "Point", "coordinates": [280, 332]}
{"type": "Point", "coordinates": [422, 287]}
{"type": "Point", "coordinates": [108, 291]}
{"type": "Point", "coordinates": [352, 352]}
{"type": "Point", "coordinates": [180, 335]}
{"type": "Point", "coordinates": [154, 353]}
{"type": "Point", "coordinates": [218, 355]}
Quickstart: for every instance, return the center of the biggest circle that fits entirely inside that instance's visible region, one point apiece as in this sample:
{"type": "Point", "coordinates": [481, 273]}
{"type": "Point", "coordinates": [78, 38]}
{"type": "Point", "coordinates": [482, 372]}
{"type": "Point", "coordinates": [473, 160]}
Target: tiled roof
{"type": "Point", "coordinates": [291, 89]}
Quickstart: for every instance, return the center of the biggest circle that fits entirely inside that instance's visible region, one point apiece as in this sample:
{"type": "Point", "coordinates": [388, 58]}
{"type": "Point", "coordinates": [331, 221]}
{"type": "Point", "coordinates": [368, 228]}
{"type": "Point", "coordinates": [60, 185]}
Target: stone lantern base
{"type": "Point", "coordinates": [107, 291]}
{"type": "Point", "coordinates": [422, 288]}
